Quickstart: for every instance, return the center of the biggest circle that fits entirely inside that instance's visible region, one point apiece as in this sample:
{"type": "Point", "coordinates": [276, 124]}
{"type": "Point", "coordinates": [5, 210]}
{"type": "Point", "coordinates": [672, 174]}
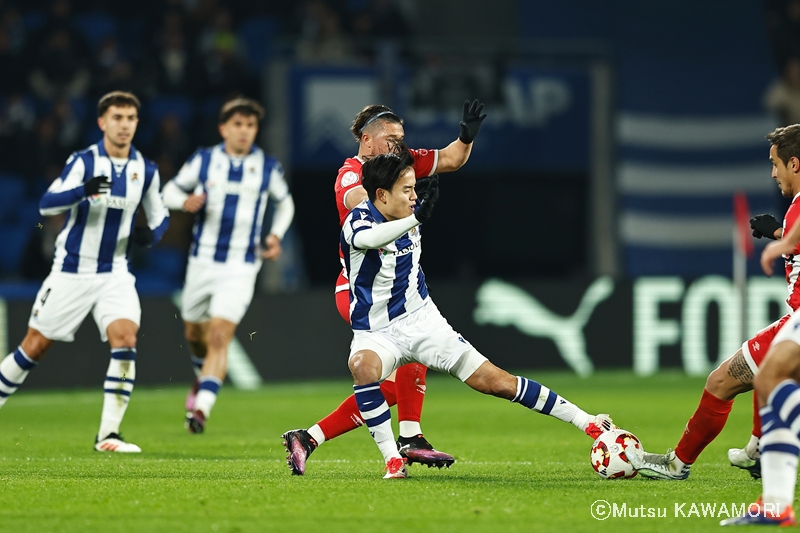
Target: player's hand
{"type": "Point", "coordinates": [764, 226]}
{"type": "Point", "coordinates": [194, 203]}
{"type": "Point", "coordinates": [97, 185]}
{"type": "Point", "coordinates": [425, 208]}
{"type": "Point", "coordinates": [142, 236]}
{"type": "Point", "coordinates": [471, 119]}
{"type": "Point", "coordinates": [422, 185]}
{"type": "Point", "coordinates": [773, 251]}
{"type": "Point", "coordinates": [273, 248]}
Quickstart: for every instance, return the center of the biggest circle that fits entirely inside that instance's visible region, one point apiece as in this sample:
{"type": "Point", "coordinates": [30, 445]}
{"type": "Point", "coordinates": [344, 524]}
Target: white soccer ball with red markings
{"type": "Point", "coordinates": [608, 454]}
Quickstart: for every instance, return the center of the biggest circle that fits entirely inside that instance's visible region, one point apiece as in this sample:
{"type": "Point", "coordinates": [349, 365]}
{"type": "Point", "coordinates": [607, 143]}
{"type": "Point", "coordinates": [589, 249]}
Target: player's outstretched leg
{"type": "Point", "coordinates": [375, 412]}
{"type": "Point", "coordinates": [14, 369]}
{"type": "Point", "coordinates": [117, 388]}
{"type": "Point", "coordinates": [489, 379]}
{"type": "Point", "coordinates": [412, 444]}
{"type": "Point", "coordinates": [299, 443]}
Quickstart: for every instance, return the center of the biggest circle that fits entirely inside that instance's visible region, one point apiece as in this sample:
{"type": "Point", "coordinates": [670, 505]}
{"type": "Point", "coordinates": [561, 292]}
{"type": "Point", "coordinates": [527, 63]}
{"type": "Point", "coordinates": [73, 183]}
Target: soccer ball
{"type": "Point", "coordinates": [608, 454]}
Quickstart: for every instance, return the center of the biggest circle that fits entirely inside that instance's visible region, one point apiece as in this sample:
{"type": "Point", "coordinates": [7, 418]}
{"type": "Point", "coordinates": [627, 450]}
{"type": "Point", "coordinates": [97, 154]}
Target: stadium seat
{"type": "Point", "coordinates": [95, 27]}
{"type": "Point", "coordinates": [167, 263]}
{"type": "Point", "coordinates": [162, 106]}
{"type": "Point", "coordinates": [14, 240]}
{"type": "Point", "coordinates": [256, 34]}
{"type": "Point", "coordinates": [13, 188]}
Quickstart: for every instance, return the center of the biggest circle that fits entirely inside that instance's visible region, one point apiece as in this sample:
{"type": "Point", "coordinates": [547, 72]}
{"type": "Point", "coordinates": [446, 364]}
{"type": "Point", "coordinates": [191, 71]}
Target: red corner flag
{"type": "Point", "coordinates": [741, 216]}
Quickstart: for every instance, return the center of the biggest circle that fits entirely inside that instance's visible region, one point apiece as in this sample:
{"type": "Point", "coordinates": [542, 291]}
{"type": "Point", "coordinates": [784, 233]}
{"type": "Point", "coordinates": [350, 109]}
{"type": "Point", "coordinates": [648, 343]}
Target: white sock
{"type": "Point", "coordinates": [375, 413]}
{"type": "Point", "coordinates": [778, 468]}
{"type": "Point", "coordinates": [752, 448]}
{"type": "Point", "coordinates": [117, 388]}
{"type": "Point", "coordinates": [409, 428]}
{"type": "Point", "coordinates": [536, 396]}
{"type": "Point", "coordinates": [207, 394]}
{"type": "Point", "coordinates": [316, 433]}
{"type": "Point", "coordinates": [14, 369]}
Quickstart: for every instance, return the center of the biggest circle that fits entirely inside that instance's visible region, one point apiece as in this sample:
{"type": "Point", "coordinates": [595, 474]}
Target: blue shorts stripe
{"type": "Point", "coordinates": [551, 401]}
{"type": "Point", "coordinates": [780, 395]}
{"type": "Point", "coordinates": [123, 392]}
{"type": "Point", "coordinates": [378, 420]}
{"type": "Point", "coordinates": [780, 447]}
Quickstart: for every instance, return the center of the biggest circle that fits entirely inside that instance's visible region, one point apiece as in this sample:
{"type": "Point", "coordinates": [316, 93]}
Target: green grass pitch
{"type": "Point", "coordinates": [515, 470]}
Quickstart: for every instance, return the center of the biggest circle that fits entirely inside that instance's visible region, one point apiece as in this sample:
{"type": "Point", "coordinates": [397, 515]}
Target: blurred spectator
{"type": "Point", "coordinates": [37, 258]}
{"type": "Point", "coordinates": [783, 96]}
{"type": "Point", "coordinates": [17, 121]}
{"type": "Point", "coordinates": [322, 39]}
{"type": "Point", "coordinates": [782, 19]}
{"type": "Point", "coordinates": [10, 64]}
{"type": "Point", "coordinates": [13, 25]}
{"type": "Point", "coordinates": [60, 67]}
{"type": "Point", "coordinates": [171, 146]}
{"type": "Point", "coordinates": [222, 68]}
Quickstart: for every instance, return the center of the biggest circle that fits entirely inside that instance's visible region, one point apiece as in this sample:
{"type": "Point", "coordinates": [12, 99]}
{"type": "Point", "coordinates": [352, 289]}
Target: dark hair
{"type": "Point", "coordinates": [369, 116]}
{"type": "Point", "coordinates": [383, 171]}
{"type": "Point", "coordinates": [787, 141]}
{"type": "Point", "coordinates": [116, 98]}
{"type": "Point", "coordinates": [244, 106]}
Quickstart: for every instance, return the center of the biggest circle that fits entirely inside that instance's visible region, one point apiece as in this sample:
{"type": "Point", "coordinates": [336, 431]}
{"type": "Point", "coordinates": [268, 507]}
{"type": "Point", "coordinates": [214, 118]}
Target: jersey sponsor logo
{"type": "Point", "coordinates": [118, 202]}
{"type": "Point", "coordinates": [404, 251]}
{"type": "Point", "coordinates": [362, 223]}
{"type": "Point", "coordinates": [349, 179]}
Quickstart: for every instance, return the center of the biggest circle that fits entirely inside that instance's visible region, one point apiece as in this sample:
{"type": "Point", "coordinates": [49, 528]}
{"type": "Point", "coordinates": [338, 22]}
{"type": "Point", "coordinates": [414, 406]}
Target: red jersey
{"type": "Point", "coordinates": [349, 177]}
{"type": "Point", "coordinates": [792, 261]}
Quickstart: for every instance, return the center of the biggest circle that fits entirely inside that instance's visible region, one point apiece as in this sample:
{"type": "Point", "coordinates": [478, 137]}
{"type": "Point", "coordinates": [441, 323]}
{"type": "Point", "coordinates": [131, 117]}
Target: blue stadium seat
{"type": "Point", "coordinates": [256, 34]}
{"type": "Point", "coordinates": [14, 240]}
{"type": "Point", "coordinates": [165, 263]}
{"type": "Point", "coordinates": [12, 194]}
{"type": "Point", "coordinates": [162, 106]}
{"type": "Point", "coordinates": [95, 27]}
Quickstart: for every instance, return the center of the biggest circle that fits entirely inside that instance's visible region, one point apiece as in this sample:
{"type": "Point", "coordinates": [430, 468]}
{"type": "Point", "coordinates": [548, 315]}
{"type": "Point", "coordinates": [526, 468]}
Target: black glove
{"type": "Point", "coordinates": [471, 119]}
{"type": "Point", "coordinates": [425, 208]}
{"type": "Point", "coordinates": [97, 185]}
{"type": "Point", "coordinates": [764, 226]}
{"type": "Point", "coordinates": [422, 185]}
{"type": "Point", "coordinates": [143, 236]}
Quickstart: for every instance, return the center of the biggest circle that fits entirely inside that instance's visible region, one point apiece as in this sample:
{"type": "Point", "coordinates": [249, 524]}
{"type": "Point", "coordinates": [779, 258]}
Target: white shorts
{"type": "Point", "coordinates": [65, 299]}
{"type": "Point", "coordinates": [218, 290]}
{"type": "Point", "coordinates": [790, 331]}
{"type": "Point", "coordinates": [423, 336]}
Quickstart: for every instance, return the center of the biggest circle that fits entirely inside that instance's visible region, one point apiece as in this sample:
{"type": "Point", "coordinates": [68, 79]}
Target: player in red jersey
{"type": "Point", "coordinates": [378, 130]}
{"type": "Point", "coordinates": [735, 375]}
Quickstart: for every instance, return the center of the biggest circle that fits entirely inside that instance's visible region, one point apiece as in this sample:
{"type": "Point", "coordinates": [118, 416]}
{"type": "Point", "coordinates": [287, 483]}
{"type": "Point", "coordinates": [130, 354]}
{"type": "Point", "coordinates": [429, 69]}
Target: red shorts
{"type": "Point", "coordinates": [756, 349]}
{"type": "Point", "coordinates": [343, 297]}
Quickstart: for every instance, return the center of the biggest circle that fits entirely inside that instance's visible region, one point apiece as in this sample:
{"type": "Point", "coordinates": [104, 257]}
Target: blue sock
{"type": "Point", "coordinates": [375, 413]}
{"type": "Point", "coordinates": [14, 369]}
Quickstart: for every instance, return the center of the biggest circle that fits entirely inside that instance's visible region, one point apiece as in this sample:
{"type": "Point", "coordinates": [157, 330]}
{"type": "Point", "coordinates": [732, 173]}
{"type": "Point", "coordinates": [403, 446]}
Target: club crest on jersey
{"type": "Point", "coordinates": [135, 177]}
{"type": "Point", "coordinates": [413, 231]}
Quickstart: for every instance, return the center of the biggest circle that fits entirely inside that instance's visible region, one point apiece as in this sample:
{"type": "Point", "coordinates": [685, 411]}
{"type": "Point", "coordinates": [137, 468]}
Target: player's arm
{"type": "Point", "coordinates": [282, 217]}
{"type": "Point", "coordinates": [364, 234]}
{"type": "Point", "coordinates": [179, 192]}
{"type": "Point", "coordinates": [456, 154]}
{"type": "Point", "coordinates": [157, 215]}
{"type": "Point", "coordinates": [69, 189]}
{"type": "Point", "coordinates": [785, 246]}
{"type": "Point", "coordinates": [354, 196]}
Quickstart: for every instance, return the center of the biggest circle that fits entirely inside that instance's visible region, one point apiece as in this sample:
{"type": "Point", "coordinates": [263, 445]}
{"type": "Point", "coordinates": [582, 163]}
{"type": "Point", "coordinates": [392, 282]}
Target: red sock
{"type": "Point", "coordinates": [347, 417]}
{"type": "Point", "coordinates": [756, 417]}
{"type": "Point", "coordinates": [704, 426]}
{"type": "Point", "coordinates": [410, 380]}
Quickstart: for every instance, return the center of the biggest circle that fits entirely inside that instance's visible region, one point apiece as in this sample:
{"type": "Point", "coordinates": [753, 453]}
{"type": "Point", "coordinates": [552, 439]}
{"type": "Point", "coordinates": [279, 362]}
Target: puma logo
{"type": "Point", "coordinates": [504, 304]}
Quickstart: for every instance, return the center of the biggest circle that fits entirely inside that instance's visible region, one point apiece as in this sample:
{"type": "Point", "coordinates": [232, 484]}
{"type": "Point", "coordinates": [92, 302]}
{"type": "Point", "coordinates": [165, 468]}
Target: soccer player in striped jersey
{"type": "Point", "coordinates": [227, 187]}
{"type": "Point", "coordinates": [377, 130]}
{"type": "Point", "coordinates": [395, 321]}
{"type": "Point", "coordinates": [101, 188]}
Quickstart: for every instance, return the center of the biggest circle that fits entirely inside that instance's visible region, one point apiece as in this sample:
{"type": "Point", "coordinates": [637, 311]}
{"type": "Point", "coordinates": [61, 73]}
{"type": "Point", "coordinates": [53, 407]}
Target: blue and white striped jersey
{"type": "Point", "coordinates": [228, 227]}
{"type": "Point", "coordinates": [96, 235]}
{"type": "Point", "coordinates": [387, 282]}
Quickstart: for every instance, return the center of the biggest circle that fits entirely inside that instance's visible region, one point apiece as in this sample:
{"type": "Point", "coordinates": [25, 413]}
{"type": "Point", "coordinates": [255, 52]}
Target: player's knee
{"type": "Point", "coordinates": [782, 362]}
{"type": "Point", "coordinates": [219, 337]}
{"type": "Point", "coordinates": [35, 344]}
{"type": "Point", "coordinates": [193, 332]}
{"type": "Point", "coordinates": [366, 367]}
{"type": "Point", "coordinates": [722, 385]}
